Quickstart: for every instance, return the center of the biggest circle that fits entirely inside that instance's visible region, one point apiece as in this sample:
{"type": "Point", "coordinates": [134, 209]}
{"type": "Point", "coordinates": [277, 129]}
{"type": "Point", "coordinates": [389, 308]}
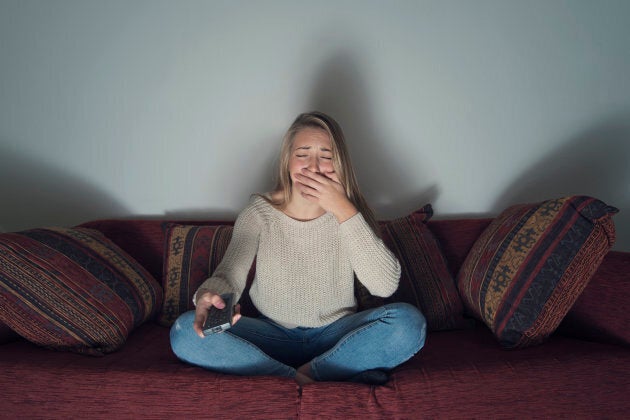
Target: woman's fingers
{"type": "Point", "coordinates": [200, 318]}
{"type": "Point", "coordinates": [237, 314]}
{"type": "Point", "coordinates": [204, 303]}
{"type": "Point", "coordinates": [307, 180]}
{"type": "Point", "coordinates": [315, 177]}
{"type": "Point", "coordinates": [318, 182]}
{"type": "Point", "coordinates": [332, 176]}
{"type": "Point", "coordinates": [309, 186]}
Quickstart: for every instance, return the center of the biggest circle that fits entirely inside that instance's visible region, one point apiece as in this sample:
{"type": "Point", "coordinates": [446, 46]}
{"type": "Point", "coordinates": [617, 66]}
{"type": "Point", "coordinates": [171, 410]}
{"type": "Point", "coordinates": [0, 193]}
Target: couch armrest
{"type": "Point", "coordinates": [602, 311]}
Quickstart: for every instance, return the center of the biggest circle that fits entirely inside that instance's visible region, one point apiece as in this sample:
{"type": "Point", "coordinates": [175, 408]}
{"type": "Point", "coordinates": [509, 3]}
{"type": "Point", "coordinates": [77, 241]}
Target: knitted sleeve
{"type": "Point", "coordinates": [376, 267]}
{"type": "Point", "coordinates": [231, 273]}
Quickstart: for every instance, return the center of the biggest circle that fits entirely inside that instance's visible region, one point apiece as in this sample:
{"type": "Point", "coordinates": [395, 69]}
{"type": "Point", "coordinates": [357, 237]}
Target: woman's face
{"type": "Point", "coordinates": [312, 149]}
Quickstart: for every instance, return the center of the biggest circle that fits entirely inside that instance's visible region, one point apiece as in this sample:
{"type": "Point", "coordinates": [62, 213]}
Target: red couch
{"type": "Point", "coordinates": [582, 371]}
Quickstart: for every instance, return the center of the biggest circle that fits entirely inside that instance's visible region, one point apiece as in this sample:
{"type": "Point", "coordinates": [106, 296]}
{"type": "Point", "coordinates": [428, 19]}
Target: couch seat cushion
{"type": "Point", "coordinates": [466, 374]}
{"type": "Point", "coordinates": [142, 380]}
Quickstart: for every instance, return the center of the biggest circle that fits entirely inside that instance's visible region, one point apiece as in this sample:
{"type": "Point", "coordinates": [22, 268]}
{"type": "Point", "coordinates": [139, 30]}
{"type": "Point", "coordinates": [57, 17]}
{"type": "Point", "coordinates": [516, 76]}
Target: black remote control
{"type": "Point", "coordinates": [219, 320]}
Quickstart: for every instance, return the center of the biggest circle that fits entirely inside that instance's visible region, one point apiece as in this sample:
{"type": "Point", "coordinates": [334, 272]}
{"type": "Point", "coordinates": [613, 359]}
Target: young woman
{"type": "Point", "coordinates": [310, 236]}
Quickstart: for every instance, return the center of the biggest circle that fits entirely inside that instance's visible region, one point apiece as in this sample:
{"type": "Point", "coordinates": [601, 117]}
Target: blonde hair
{"type": "Point", "coordinates": [341, 163]}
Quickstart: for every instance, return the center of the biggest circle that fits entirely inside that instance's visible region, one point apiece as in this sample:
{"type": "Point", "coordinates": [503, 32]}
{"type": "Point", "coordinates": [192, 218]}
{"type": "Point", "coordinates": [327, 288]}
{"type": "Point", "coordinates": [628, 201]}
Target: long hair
{"type": "Point", "coordinates": [341, 163]}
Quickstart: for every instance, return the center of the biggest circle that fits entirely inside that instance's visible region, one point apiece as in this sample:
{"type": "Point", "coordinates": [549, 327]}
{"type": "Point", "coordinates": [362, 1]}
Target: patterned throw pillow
{"type": "Point", "coordinates": [73, 290]}
{"type": "Point", "coordinates": [530, 265]}
{"type": "Point", "coordinates": [191, 255]}
{"type": "Point", "coordinates": [425, 280]}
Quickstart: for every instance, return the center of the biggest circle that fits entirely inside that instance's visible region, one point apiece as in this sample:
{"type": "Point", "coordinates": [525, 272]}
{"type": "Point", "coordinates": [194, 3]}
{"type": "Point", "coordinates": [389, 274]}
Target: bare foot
{"type": "Point", "coordinates": [303, 375]}
{"type": "Point", "coordinates": [302, 379]}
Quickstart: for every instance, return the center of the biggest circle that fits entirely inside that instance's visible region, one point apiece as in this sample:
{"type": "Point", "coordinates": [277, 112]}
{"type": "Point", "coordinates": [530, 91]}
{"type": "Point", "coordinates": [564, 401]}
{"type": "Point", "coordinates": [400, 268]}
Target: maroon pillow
{"type": "Point", "coordinates": [425, 280]}
{"type": "Point", "coordinates": [73, 290]}
{"type": "Point", "coordinates": [530, 265]}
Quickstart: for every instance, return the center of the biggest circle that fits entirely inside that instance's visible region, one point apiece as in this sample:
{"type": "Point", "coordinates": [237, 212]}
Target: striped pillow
{"type": "Point", "coordinates": [191, 255]}
{"type": "Point", "coordinates": [425, 280]}
{"type": "Point", "coordinates": [530, 265]}
{"type": "Point", "coordinates": [73, 290]}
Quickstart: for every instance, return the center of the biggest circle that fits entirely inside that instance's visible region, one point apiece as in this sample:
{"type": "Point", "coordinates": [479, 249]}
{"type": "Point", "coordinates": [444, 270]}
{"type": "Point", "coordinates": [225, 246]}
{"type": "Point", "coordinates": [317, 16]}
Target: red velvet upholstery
{"type": "Point", "coordinates": [458, 374]}
{"type": "Point", "coordinates": [601, 312]}
{"type": "Point", "coordinates": [457, 237]}
{"type": "Point", "coordinates": [464, 374]}
{"type": "Point", "coordinates": [143, 380]}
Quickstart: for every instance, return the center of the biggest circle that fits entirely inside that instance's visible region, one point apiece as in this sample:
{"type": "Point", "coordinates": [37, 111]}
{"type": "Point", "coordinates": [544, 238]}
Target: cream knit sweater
{"type": "Point", "coordinates": [304, 270]}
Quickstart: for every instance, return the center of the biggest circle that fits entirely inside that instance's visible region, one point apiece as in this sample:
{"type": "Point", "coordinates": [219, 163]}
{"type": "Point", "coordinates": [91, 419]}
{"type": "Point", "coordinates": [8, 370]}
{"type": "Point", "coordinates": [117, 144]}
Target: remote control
{"type": "Point", "coordinates": [219, 320]}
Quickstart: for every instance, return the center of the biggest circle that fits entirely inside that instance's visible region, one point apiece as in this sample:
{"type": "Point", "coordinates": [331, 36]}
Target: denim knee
{"type": "Point", "coordinates": [410, 324]}
{"type": "Point", "coordinates": [182, 331]}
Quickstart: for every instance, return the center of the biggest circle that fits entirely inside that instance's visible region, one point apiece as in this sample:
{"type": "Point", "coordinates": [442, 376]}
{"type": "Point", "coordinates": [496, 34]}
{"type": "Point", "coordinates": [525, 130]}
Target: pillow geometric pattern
{"type": "Point", "coordinates": [191, 255]}
{"type": "Point", "coordinates": [530, 265]}
{"type": "Point", "coordinates": [73, 290]}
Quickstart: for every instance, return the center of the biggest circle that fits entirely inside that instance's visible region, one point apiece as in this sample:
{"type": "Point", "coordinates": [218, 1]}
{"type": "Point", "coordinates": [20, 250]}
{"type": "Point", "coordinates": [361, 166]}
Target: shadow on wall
{"type": "Point", "coordinates": [37, 195]}
{"type": "Point", "coordinates": [341, 92]}
{"type": "Point", "coordinates": [596, 163]}
{"type": "Point", "coordinates": [263, 182]}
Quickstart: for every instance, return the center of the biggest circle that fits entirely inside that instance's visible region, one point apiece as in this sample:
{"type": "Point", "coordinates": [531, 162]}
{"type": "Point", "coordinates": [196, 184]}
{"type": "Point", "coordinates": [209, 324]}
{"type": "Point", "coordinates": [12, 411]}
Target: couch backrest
{"type": "Point", "coordinates": [457, 237]}
{"type": "Point", "coordinates": [589, 319]}
{"type": "Point", "coordinates": [144, 239]}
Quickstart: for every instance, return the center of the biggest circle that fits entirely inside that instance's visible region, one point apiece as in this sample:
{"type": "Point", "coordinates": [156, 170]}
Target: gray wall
{"type": "Point", "coordinates": [176, 108]}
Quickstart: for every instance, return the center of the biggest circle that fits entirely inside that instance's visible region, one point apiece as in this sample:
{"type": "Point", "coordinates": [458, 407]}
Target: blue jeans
{"type": "Point", "coordinates": [380, 338]}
